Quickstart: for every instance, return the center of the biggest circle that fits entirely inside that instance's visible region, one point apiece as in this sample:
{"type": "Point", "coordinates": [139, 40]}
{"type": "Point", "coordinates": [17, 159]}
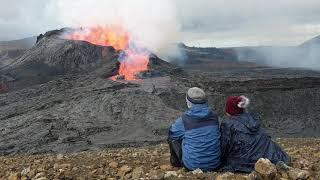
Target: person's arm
{"type": "Point", "coordinates": [225, 140]}
{"type": "Point", "coordinates": [177, 130]}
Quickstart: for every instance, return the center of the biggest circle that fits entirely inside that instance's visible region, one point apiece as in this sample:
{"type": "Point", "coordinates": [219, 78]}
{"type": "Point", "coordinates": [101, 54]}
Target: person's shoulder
{"type": "Point", "coordinates": [253, 115]}
{"type": "Point", "coordinates": [227, 122]}
{"type": "Point", "coordinates": [178, 120]}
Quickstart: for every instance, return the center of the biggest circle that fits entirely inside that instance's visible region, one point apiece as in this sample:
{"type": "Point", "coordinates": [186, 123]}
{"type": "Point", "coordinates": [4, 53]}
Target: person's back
{"type": "Point", "coordinates": [244, 141]}
{"type": "Point", "coordinates": [198, 129]}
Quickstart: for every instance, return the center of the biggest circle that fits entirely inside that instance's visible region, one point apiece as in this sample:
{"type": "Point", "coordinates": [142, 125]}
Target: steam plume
{"type": "Point", "coordinates": [152, 24]}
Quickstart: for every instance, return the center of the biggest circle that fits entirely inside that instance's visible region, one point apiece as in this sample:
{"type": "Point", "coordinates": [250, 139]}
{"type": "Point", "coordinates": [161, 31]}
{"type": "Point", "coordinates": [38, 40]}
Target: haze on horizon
{"type": "Point", "coordinates": [216, 23]}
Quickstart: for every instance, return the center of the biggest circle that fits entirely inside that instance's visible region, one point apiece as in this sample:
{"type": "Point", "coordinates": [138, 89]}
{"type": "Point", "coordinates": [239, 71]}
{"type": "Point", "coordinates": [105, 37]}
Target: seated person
{"type": "Point", "coordinates": [194, 138]}
{"type": "Point", "coordinates": [243, 140]}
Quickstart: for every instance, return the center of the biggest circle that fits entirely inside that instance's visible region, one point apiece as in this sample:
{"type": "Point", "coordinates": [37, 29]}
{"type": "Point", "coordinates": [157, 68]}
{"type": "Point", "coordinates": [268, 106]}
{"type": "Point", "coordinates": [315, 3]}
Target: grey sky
{"type": "Point", "coordinates": [199, 22]}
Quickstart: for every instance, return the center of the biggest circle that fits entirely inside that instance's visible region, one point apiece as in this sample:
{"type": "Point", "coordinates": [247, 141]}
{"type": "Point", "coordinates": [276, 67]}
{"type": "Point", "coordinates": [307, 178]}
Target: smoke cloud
{"type": "Point", "coordinates": [155, 24]}
{"type": "Point", "coordinates": [152, 25]}
{"type": "Point", "coordinates": [306, 55]}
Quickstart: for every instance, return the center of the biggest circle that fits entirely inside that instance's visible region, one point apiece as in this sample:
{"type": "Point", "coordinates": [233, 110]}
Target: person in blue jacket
{"type": "Point", "coordinates": [244, 141]}
{"type": "Point", "coordinates": [194, 138]}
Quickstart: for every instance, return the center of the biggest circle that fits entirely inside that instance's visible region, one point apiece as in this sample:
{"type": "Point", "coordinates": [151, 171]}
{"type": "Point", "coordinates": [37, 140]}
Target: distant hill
{"type": "Point", "coordinates": [25, 43]}
{"type": "Point", "coordinates": [312, 42]}
{"type": "Point", "coordinates": [9, 50]}
{"type": "Point", "coordinates": [207, 58]}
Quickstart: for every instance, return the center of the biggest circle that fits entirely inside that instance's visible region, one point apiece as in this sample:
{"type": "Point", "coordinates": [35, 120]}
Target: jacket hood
{"type": "Point", "coordinates": [199, 111]}
{"type": "Point", "coordinates": [250, 121]}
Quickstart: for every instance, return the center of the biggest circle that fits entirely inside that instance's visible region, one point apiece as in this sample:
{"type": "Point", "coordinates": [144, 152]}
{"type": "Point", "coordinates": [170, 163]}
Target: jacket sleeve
{"type": "Point", "coordinates": [177, 130]}
{"type": "Point", "coordinates": [225, 140]}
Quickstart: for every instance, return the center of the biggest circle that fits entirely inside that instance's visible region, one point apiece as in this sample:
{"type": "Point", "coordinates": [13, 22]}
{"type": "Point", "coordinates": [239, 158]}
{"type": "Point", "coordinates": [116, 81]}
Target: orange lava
{"type": "Point", "coordinates": [133, 64]}
{"type": "Point", "coordinates": [135, 59]}
{"type": "Point", "coordinates": [111, 35]}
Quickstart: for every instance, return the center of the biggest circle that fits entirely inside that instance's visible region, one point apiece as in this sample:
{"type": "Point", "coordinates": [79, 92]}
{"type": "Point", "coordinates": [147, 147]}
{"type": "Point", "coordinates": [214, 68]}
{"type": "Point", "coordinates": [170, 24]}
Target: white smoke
{"type": "Point", "coordinates": [152, 24]}
{"type": "Point", "coordinates": [155, 24]}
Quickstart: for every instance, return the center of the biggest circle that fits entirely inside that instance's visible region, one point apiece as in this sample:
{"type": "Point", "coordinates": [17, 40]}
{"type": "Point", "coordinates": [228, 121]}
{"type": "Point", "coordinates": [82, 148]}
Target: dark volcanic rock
{"type": "Point", "coordinates": [53, 56]}
{"type": "Point", "coordinates": [65, 102]}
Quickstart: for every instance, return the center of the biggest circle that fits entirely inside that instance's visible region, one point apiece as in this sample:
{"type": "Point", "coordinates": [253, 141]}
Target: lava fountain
{"type": "Point", "coordinates": [133, 59]}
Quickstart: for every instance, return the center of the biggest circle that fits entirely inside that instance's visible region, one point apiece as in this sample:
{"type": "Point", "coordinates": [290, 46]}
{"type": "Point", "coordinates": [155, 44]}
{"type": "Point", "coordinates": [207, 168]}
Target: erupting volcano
{"type": "Point", "coordinates": [133, 59]}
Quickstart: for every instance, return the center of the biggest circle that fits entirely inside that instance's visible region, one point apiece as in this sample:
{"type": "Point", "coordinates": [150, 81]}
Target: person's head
{"type": "Point", "coordinates": [195, 95]}
{"type": "Point", "coordinates": [236, 105]}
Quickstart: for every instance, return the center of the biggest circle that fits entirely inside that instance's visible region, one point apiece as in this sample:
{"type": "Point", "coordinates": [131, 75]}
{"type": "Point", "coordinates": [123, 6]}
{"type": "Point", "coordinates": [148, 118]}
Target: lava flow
{"type": "Point", "coordinates": [132, 59]}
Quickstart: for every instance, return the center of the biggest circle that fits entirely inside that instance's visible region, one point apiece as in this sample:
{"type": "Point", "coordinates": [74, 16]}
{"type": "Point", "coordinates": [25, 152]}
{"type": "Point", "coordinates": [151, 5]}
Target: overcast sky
{"type": "Point", "coordinates": [217, 23]}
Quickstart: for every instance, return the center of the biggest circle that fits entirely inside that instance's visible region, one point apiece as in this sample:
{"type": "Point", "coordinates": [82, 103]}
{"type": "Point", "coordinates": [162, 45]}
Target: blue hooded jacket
{"type": "Point", "coordinates": [198, 128]}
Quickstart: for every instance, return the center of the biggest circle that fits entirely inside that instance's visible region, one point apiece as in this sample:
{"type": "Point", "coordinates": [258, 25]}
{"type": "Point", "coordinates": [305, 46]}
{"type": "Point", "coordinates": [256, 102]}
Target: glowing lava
{"type": "Point", "coordinates": [132, 64]}
{"type": "Point", "coordinates": [133, 59]}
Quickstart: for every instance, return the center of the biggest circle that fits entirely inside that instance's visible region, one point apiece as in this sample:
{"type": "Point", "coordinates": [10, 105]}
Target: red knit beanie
{"type": "Point", "coordinates": [236, 104]}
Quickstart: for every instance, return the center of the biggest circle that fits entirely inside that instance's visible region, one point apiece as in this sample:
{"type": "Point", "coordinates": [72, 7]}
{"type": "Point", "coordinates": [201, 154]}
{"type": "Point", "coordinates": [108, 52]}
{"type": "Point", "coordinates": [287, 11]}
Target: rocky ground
{"type": "Point", "coordinates": [150, 162]}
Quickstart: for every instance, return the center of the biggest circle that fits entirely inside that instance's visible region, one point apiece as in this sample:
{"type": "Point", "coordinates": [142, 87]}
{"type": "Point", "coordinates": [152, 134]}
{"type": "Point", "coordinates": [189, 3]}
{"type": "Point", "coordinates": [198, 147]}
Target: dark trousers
{"type": "Point", "coordinates": [175, 152]}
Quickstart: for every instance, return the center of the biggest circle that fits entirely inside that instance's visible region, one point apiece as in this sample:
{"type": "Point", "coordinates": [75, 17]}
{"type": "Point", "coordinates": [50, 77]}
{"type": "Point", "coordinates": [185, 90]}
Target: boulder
{"type": "Point", "coordinates": [265, 168]}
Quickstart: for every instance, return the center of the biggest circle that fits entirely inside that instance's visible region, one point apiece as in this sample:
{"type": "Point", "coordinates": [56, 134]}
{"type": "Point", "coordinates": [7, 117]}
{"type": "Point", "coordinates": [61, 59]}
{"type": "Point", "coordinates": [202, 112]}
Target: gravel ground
{"type": "Point", "coordinates": [151, 162]}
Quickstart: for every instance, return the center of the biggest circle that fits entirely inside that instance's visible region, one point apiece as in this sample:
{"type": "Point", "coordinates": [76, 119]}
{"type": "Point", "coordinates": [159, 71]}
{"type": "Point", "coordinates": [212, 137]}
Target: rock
{"type": "Point", "coordinates": [113, 164]}
{"type": "Point", "coordinates": [180, 176]}
{"type": "Point", "coordinates": [25, 171]}
{"type": "Point", "coordinates": [283, 169]}
{"type": "Point", "coordinates": [56, 166]}
{"type": "Point", "coordinates": [225, 176]}
{"type": "Point", "coordinates": [42, 178]}
{"type": "Point", "coordinates": [153, 174]}
{"type": "Point", "coordinates": [295, 174]}
{"type": "Point", "coordinates": [14, 176]}
{"type": "Point", "coordinates": [134, 155]}
{"type": "Point", "coordinates": [59, 157]}
{"type": "Point", "coordinates": [124, 170]}
{"type": "Point", "coordinates": [137, 173]}
{"type": "Point", "coordinates": [170, 174]}
{"type": "Point", "coordinates": [39, 175]}
{"type": "Point", "coordinates": [24, 177]}
{"type": "Point", "coordinates": [253, 176]}
{"type": "Point", "coordinates": [155, 164]}
{"type": "Point", "coordinates": [149, 88]}
{"type": "Point", "coordinates": [37, 161]}
{"type": "Point", "coordinates": [304, 164]}
{"type": "Point", "coordinates": [65, 166]}
{"type": "Point", "coordinates": [32, 173]}
{"type": "Point", "coordinates": [197, 171]}
{"type": "Point", "coordinates": [165, 167]}
{"type": "Point", "coordinates": [94, 171]}
{"type": "Point", "coordinates": [40, 169]}
{"type": "Point", "coordinates": [265, 168]}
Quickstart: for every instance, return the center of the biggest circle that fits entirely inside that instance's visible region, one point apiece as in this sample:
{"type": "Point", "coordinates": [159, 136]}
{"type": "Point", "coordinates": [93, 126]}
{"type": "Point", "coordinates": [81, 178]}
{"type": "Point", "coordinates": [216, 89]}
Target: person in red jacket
{"type": "Point", "coordinates": [244, 141]}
